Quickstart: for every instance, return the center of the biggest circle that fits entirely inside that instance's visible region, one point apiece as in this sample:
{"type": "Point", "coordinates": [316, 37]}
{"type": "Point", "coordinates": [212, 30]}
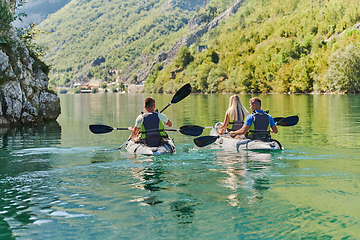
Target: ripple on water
{"type": "Point", "coordinates": [67, 215]}
{"type": "Point", "coordinates": [41, 222]}
{"type": "Point", "coordinates": [207, 192]}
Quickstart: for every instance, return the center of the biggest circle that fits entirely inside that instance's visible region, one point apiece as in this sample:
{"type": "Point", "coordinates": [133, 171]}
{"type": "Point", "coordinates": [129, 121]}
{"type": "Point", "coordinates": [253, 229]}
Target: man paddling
{"type": "Point", "coordinates": [258, 125]}
{"type": "Point", "coordinates": [151, 125]}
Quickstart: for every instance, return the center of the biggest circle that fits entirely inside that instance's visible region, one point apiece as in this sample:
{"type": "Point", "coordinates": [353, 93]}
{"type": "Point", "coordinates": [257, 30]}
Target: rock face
{"type": "Point", "coordinates": [24, 94]}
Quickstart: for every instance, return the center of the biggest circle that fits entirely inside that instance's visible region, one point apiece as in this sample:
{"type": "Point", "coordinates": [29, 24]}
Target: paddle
{"type": "Point", "coordinates": [287, 121]}
{"type": "Point", "coordinates": [206, 140]}
{"type": "Point", "coordinates": [182, 93]}
{"type": "Point", "coordinates": [99, 129]}
{"type": "Point", "coordinates": [192, 130]}
{"type": "Point", "coordinates": [186, 130]}
{"type": "Point", "coordinates": [278, 119]}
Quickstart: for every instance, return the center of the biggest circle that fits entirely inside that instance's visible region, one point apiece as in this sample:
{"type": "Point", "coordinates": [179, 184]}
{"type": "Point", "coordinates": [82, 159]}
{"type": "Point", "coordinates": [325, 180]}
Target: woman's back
{"type": "Point", "coordinates": [235, 115]}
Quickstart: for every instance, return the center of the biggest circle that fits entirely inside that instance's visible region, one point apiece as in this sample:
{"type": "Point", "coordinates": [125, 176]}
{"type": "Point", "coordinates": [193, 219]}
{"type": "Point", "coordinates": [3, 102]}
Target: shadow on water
{"type": "Point", "coordinates": [23, 150]}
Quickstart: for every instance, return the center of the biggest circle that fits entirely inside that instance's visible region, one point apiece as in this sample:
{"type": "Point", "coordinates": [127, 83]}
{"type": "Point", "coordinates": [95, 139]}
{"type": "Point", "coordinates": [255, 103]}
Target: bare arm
{"type": "Point", "coordinates": [274, 129]}
{"type": "Point", "coordinates": [241, 131]}
{"type": "Point", "coordinates": [222, 127]}
{"type": "Point", "coordinates": [169, 123]}
{"type": "Point", "coordinates": [134, 132]}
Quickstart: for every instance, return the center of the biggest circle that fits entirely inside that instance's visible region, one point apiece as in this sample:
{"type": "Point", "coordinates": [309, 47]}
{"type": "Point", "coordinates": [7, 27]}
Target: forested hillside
{"type": "Point", "coordinates": [88, 39]}
{"type": "Point", "coordinates": [266, 46]}
{"type": "Point", "coordinates": [274, 46]}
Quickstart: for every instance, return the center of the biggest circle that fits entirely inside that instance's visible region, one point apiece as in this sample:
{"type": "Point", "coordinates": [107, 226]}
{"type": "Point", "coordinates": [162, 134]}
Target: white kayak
{"type": "Point", "coordinates": [142, 149]}
{"type": "Point", "coordinates": [244, 144]}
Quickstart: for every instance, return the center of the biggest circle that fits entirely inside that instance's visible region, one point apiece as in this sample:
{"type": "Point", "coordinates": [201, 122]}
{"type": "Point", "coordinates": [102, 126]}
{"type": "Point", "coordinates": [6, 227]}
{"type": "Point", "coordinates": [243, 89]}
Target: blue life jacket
{"type": "Point", "coordinates": [260, 127]}
{"type": "Point", "coordinates": [152, 130]}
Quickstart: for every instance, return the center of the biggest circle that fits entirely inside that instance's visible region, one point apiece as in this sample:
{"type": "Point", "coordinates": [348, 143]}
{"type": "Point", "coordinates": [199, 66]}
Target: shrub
{"type": "Point", "coordinates": [94, 90]}
{"type": "Point", "coordinates": [63, 91]}
{"type": "Point", "coordinates": [215, 77]}
{"type": "Point", "coordinates": [183, 58]}
{"type": "Point", "coordinates": [5, 20]}
{"type": "Point", "coordinates": [103, 85]}
{"type": "Point", "coordinates": [28, 36]}
{"type": "Point", "coordinates": [343, 74]}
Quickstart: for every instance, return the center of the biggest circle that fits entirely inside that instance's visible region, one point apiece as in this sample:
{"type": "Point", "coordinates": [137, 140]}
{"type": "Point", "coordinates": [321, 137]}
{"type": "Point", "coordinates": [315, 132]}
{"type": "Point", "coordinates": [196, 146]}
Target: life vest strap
{"type": "Point", "coordinates": [152, 131]}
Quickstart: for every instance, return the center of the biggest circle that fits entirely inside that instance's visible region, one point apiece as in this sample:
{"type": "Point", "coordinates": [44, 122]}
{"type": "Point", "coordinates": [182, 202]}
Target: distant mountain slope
{"type": "Point", "coordinates": [264, 46]}
{"type": "Point", "coordinates": [89, 38]}
{"type": "Point", "coordinates": [282, 46]}
{"type": "Point", "coordinates": [38, 10]}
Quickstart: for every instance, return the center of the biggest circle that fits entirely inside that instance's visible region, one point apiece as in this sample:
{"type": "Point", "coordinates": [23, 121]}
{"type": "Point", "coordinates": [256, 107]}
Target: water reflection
{"type": "Point", "coordinates": [149, 178]}
{"type": "Point", "coordinates": [184, 210]}
{"type": "Point", "coordinates": [30, 136]}
{"type": "Point", "coordinates": [103, 156]}
{"type": "Point", "coordinates": [49, 188]}
{"type": "Point", "coordinates": [23, 150]}
{"type": "Point", "coordinates": [247, 175]}
{"type": "Point", "coordinates": [163, 181]}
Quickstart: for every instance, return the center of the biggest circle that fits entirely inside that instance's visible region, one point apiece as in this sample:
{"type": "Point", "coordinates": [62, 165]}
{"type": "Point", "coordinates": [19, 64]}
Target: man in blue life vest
{"type": "Point", "coordinates": [150, 125]}
{"type": "Point", "coordinates": [258, 125]}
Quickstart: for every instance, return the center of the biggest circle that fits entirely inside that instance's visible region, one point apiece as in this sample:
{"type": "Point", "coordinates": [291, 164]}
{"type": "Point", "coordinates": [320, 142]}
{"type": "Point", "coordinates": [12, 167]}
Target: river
{"type": "Point", "coordinates": [56, 182]}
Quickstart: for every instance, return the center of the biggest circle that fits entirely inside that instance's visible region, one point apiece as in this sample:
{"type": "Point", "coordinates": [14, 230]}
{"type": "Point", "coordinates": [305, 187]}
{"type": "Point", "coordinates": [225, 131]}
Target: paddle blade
{"type": "Point", "coordinates": [288, 121]}
{"type": "Point", "coordinates": [278, 119]}
{"type": "Point", "coordinates": [205, 140]}
{"type": "Point", "coordinates": [191, 130]}
{"type": "Point", "coordinates": [99, 129]}
{"type": "Point", "coordinates": [182, 93]}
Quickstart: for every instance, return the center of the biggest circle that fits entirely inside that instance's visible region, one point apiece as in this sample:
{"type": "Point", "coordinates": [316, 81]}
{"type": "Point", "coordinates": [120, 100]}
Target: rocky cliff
{"type": "Point", "coordinates": [24, 94]}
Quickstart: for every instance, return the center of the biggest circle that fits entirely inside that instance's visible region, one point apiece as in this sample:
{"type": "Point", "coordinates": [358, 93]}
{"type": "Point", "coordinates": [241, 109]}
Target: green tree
{"type": "Point", "coordinates": [216, 75]}
{"type": "Point", "coordinates": [6, 19]}
{"type": "Point", "coordinates": [134, 78]}
{"type": "Point", "coordinates": [103, 85]}
{"type": "Point", "coordinates": [343, 74]}
{"type": "Point", "coordinates": [183, 58]}
{"type": "Point", "coordinates": [94, 90]}
{"type": "Point", "coordinates": [121, 86]}
{"type": "Point", "coordinates": [114, 89]}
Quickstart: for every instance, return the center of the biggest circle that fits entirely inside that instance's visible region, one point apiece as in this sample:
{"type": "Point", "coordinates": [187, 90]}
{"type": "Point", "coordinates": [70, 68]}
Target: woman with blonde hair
{"type": "Point", "coordinates": [234, 116]}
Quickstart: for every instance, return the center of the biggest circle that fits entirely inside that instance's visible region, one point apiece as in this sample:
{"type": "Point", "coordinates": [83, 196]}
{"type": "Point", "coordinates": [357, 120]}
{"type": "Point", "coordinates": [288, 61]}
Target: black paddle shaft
{"type": "Point", "coordinates": [182, 93]}
{"type": "Point", "coordinates": [190, 131]}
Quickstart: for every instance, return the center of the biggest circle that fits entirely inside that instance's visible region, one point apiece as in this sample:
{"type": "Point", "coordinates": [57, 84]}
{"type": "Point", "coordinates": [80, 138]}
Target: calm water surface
{"type": "Point", "coordinates": [55, 182]}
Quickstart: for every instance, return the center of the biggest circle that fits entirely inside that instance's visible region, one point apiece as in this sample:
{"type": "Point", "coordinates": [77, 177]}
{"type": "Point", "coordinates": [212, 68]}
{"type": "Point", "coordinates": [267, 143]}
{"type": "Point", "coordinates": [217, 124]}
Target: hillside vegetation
{"type": "Point", "coordinates": [281, 46]}
{"type": "Point", "coordinates": [274, 46]}
{"type": "Point", "coordinates": [90, 38]}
